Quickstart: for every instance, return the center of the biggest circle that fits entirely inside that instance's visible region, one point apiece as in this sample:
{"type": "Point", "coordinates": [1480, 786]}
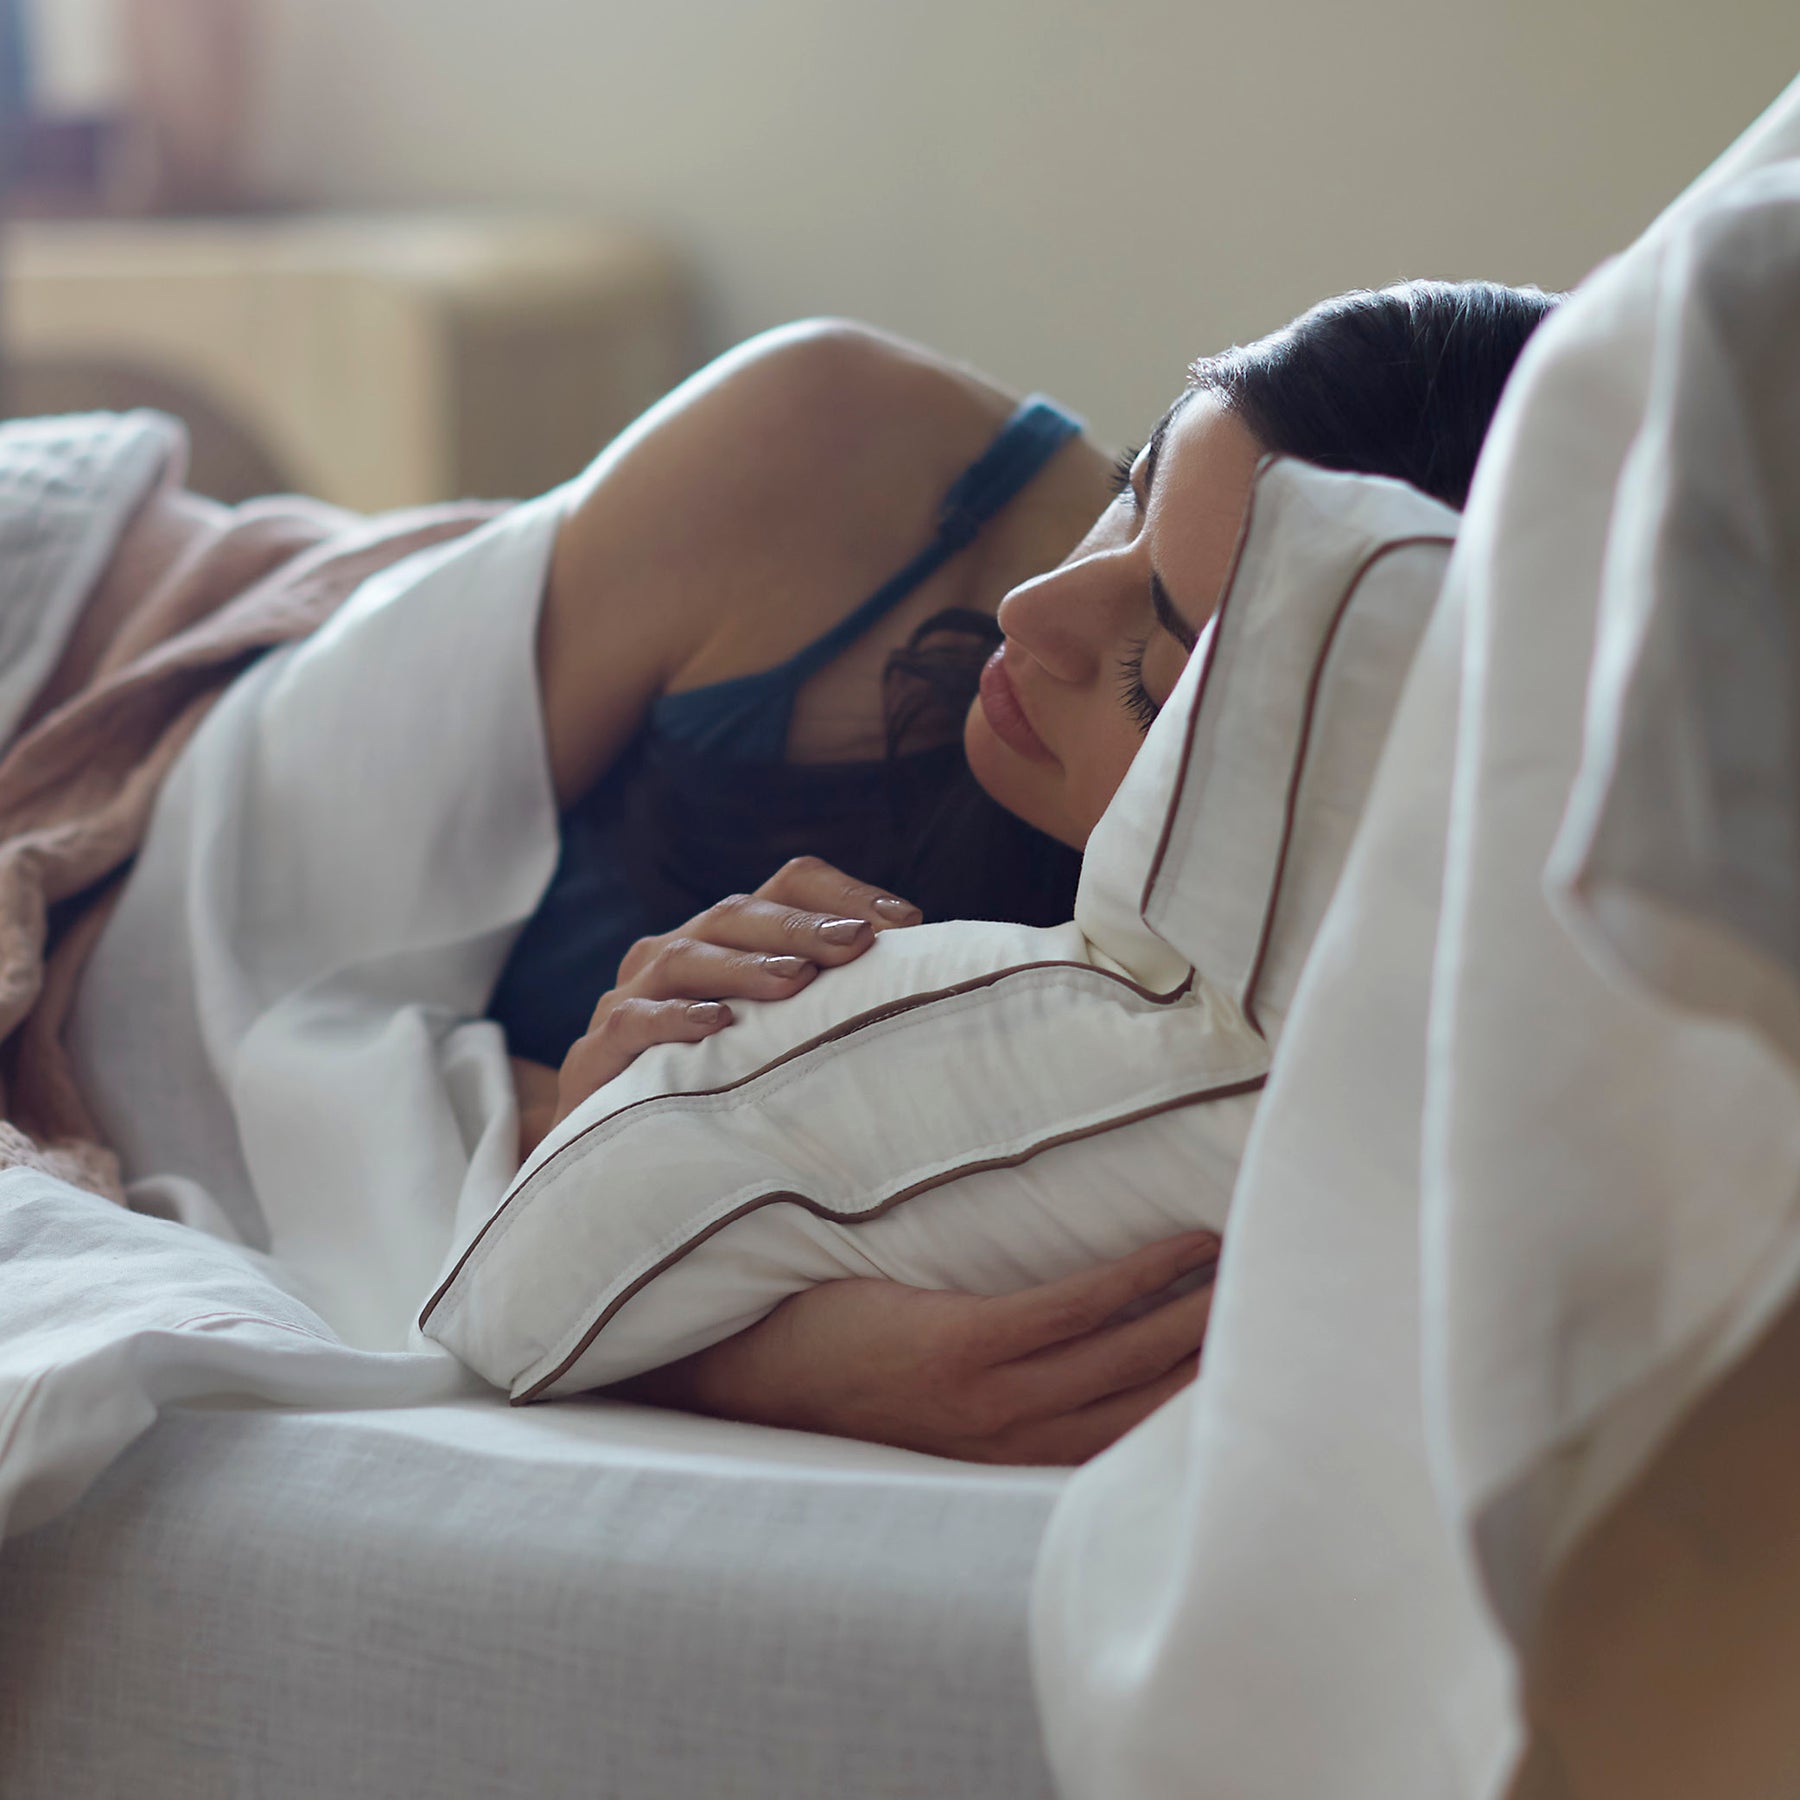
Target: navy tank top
{"type": "Point", "coordinates": [602, 898]}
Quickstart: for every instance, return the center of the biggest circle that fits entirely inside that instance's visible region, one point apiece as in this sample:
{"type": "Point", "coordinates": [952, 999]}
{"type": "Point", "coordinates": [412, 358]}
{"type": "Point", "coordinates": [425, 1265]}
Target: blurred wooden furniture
{"type": "Point", "coordinates": [374, 361]}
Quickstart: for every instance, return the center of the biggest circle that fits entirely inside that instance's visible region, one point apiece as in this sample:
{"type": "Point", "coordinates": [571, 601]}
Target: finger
{"type": "Point", "coordinates": [753, 922]}
{"type": "Point", "coordinates": [1076, 1436]}
{"type": "Point", "coordinates": [1034, 1318]}
{"type": "Point", "coordinates": [811, 883]}
{"type": "Point", "coordinates": [1115, 1360]}
{"type": "Point", "coordinates": [622, 1031]}
{"type": "Point", "coordinates": [690, 968]}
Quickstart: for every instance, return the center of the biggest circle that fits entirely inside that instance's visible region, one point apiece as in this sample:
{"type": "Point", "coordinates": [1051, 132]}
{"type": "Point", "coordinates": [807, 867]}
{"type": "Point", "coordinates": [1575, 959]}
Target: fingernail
{"type": "Point", "coordinates": [709, 1012]}
{"type": "Point", "coordinates": [842, 931]}
{"type": "Point", "coordinates": [787, 967]}
{"type": "Point", "coordinates": [897, 910]}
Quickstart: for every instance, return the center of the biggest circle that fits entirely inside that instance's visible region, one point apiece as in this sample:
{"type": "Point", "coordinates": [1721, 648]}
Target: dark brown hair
{"type": "Point", "coordinates": [1399, 381]}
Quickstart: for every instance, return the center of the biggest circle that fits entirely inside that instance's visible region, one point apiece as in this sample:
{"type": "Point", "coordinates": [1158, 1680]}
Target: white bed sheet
{"type": "Point", "coordinates": [469, 1600]}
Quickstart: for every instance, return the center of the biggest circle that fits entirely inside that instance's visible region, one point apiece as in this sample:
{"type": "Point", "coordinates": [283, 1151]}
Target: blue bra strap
{"type": "Point", "coordinates": [1034, 433]}
{"type": "Point", "coordinates": [746, 717]}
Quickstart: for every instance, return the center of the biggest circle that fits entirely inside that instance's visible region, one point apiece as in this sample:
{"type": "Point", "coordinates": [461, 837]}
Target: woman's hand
{"type": "Point", "coordinates": [672, 989]}
{"type": "Point", "coordinates": [1039, 1376]}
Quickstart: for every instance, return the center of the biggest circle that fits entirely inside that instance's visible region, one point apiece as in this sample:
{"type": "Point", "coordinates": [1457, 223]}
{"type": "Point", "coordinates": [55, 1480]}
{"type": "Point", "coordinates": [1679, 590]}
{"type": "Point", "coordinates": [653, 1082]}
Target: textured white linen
{"type": "Point", "coordinates": [106, 1316]}
{"type": "Point", "coordinates": [280, 1027]}
{"type": "Point", "coordinates": [1498, 1219]}
{"type": "Point", "coordinates": [1254, 1595]}
{"type": "Point", "coordinates": [68, 487]}
{"type": "Point", "coordinates": [469, 1601]}
{"type": "Point", "coordinates": [1680, 851]}
{"type": "Point", "coordinates": [987, 1106]}
{"type": "Point", "coordinates": [1613, 1216]}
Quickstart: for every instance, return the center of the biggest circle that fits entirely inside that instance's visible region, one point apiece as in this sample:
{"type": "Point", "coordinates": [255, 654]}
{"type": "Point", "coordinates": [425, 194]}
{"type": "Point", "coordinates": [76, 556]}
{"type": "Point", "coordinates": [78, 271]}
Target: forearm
{"type": "Point", "coordinates": [692, 1385]}
{"type": "Point", "coordinates": [1043, 1375]}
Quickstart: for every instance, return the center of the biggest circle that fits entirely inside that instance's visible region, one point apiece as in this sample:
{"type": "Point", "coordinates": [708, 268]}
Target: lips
{"type": "Point", "coordinates": [1000, 706]}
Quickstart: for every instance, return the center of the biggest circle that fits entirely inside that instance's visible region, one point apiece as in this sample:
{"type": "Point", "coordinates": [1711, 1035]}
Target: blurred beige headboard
{"type": "Point", "coordinates": [373, 361]}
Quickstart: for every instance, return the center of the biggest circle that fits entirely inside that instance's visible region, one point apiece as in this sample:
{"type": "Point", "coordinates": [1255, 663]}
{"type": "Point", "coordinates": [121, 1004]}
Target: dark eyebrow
{"type": "Point", "coordinates": [1167, 617]}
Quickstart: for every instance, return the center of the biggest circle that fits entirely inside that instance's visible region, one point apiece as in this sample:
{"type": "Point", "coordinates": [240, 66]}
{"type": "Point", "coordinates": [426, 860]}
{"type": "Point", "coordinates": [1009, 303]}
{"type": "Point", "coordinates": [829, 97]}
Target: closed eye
{"type": "Point", "coordinates": [1132, 693]}
{"type": "Point", "coordinates": [1121, 472]}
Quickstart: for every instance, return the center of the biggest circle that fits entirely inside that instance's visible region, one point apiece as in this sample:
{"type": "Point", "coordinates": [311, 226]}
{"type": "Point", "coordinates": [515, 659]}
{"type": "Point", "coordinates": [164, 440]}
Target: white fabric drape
{"type": "Point", "coordinates": [68, 488]}
{"type": "Point", "coordinates": [282, 1026]}
{"type": "Point", "coordinates": [1503, 1215]}
{"type": "Point", "coordinates": [1613, 1179]}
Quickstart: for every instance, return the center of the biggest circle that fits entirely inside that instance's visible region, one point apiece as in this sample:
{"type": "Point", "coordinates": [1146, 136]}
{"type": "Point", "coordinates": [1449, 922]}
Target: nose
{"type": "Point", "coordinates": [1064, 618]}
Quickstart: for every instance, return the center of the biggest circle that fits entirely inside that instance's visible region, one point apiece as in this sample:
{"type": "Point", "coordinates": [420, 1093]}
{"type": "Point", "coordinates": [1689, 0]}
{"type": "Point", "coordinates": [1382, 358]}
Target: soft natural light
{"type": "Point", "coordinates": [77, 55]}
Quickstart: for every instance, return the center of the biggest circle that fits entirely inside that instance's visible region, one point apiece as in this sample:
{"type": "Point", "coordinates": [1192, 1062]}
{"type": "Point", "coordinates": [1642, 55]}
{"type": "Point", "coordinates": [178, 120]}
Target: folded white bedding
{"type": "Point", "coordinates": [107, 1316]}
{"type": "Point", "coordinates": [280, 1026]}
{"type": "Point", "coordinates": [1504, 1215]}
{"type": "Point", "coordinates": [68, 486]}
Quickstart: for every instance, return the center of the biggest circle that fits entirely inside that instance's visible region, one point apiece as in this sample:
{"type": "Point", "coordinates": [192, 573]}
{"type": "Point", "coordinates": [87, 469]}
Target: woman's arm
{"type": "Point", "coordinates": [1040, 1376]}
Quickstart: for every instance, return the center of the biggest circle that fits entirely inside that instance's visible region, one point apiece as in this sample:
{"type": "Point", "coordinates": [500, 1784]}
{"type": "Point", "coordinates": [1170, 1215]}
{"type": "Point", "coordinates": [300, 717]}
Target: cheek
{"type": "Point", "coordinates": [1111, 738]}
{"type": "Point", "coordinates": [1163, 664]}
{"type": "Point", "coordinates": [1108, 751]}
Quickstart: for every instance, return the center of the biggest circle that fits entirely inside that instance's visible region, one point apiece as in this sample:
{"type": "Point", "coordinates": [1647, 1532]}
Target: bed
{"type": "Point", "coordinates": [470, 1599]}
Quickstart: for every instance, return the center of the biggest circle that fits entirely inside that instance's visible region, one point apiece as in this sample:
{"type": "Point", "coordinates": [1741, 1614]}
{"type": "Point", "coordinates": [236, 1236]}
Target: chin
{"type": "Point", "coordinates": [1007, 781]}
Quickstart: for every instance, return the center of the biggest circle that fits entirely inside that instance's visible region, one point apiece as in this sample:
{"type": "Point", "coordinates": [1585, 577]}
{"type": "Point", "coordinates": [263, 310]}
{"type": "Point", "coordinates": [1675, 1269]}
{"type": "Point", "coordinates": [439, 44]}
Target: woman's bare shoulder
{"type": "Point", "coordinates": [744, 514]}
{"type": "Point", "coordinates": [825, 454]}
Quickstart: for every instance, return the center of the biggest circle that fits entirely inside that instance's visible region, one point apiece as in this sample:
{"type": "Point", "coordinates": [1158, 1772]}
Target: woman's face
{"type": "Point", "coordinates": [1094, 647]}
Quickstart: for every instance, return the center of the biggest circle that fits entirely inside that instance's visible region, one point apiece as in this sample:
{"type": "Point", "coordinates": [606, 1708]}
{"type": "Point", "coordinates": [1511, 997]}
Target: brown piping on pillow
{"type": "Point", "coordinates": [1299, 770]}
{"type": "Point", "coordinates": [1199, 706]}
{"type": "Point", "coordinates": [1306, 725]}
{"type": "Point", "coordinates": [1228, 1091]}
{"type": "Point", "coordinates": [877, 1015]}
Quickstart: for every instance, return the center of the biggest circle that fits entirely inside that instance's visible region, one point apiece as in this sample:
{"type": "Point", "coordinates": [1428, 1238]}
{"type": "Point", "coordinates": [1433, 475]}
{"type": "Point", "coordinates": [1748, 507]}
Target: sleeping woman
{"type": "Point", "coordinates": [842, 632]}
{"type": "Point", "coordinates": [720, 724]}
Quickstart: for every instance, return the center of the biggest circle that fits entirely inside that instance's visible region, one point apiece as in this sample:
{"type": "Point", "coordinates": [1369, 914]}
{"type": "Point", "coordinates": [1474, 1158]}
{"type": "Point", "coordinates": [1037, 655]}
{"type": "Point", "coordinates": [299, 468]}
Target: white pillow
{"type": "Point", "coordinates": [985, 1106]}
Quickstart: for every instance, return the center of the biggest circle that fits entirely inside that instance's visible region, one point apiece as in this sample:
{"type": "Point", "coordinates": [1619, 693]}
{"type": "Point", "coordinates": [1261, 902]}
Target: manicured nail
{"type": "Point", "coordinates": [709, 1012]}
{"type": "Point", "coordinates": [842, 931]}
{"type": "Point", "coordinates": [897, 910]}
{"type": "Point", "coordinates": [787, 967]}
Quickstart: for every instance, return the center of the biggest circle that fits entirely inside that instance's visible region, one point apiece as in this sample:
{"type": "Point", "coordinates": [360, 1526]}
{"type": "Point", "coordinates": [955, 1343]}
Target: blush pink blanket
{"type": "Point", "coordinates": [193, 594]}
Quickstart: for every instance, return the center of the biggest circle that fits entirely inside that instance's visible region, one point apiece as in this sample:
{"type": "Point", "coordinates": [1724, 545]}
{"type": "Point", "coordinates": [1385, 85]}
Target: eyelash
{"type": "Point", "coordinates": [1132, 693]}
{"type": "Point", "coordinates": [1121, 474]}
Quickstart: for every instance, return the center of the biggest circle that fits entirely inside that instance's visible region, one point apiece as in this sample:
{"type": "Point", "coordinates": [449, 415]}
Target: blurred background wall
{"type": "Point", "coordinates": [1077, 197]}
{"type": "Point", "coordinates": [1073, 195]}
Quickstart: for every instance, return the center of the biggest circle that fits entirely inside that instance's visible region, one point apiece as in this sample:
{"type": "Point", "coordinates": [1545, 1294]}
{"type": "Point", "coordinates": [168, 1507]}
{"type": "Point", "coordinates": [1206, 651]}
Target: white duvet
{"type": "Point", "coordinates": [1526, 1177]}
{"type": "Point", "coordinates": [280, 1029]}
